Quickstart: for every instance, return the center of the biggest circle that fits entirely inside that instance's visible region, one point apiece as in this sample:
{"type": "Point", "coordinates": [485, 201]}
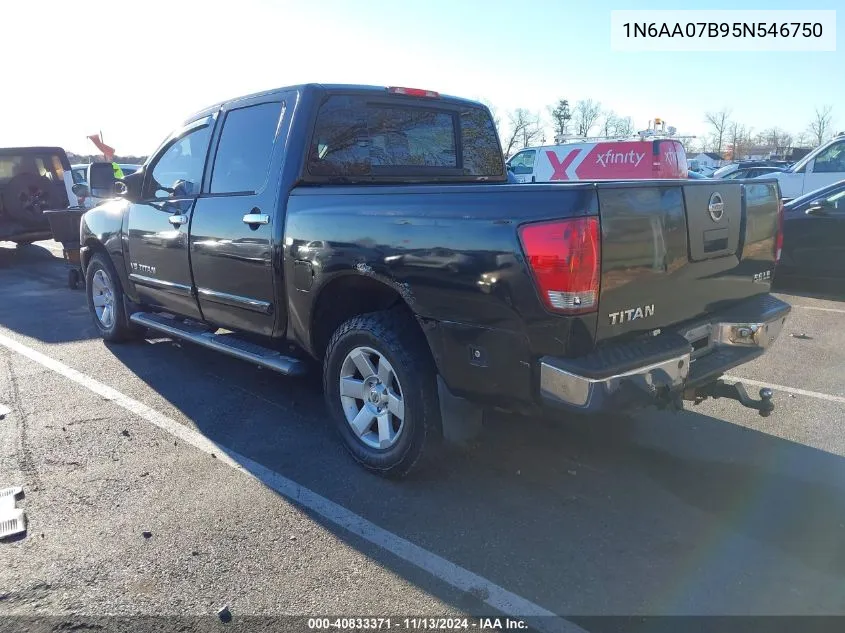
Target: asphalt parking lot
{"type": "Point", "coordinates": [161, 478]}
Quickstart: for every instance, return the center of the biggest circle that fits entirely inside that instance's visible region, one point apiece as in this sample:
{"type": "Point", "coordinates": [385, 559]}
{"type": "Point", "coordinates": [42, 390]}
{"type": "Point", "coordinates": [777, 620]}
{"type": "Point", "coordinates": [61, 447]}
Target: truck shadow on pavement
{"type": "Point", "coordinates": [650, 513]}
{"type": "Point", "coordinates": [13, 255]}
{"type": "Point", "coordinates": [35, 294]}
{"type": "Point", "coordinates": [830, 289]}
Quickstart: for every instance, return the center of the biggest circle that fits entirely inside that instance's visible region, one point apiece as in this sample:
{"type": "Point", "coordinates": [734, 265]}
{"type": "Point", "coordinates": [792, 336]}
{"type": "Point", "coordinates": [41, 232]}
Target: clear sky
{"type": "Point", "coordinates": [135, 69]}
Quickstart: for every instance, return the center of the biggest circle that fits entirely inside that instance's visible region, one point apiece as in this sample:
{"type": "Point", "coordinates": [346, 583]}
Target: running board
{"type": "Point", "coordinates": [225, 343]}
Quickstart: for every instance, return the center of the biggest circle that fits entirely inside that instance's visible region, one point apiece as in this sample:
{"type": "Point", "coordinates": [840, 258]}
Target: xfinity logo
{"type": "Point", "coordinates": [631, 314]}
{"type": "Point", "coordinates": [616, 158]}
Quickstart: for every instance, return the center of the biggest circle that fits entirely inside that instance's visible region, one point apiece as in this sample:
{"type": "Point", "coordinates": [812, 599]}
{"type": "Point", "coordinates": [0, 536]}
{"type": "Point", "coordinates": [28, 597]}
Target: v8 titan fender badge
{"type": "Point", "coordinates": [716, 206]}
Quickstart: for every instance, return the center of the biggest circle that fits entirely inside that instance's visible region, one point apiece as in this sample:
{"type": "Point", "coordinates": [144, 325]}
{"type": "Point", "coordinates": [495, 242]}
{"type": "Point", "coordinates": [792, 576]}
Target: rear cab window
{"type": "Point", "coordinates": [358, 137]}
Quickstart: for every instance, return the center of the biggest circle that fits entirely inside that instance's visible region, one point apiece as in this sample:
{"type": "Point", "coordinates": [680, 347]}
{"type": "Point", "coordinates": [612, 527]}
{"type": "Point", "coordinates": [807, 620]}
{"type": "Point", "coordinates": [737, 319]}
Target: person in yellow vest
{"type": "Point", "coordinates": [118, 172]}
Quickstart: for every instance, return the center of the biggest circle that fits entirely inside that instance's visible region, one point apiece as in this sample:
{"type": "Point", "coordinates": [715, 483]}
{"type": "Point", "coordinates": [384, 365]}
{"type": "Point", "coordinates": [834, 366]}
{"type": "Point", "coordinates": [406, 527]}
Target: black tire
{"type": "Point", "coordinates": [26, 196]}
{"type": "Point", "coordinates": [396, 336]}
{"type": "Point", "coordinates": [121, 329]}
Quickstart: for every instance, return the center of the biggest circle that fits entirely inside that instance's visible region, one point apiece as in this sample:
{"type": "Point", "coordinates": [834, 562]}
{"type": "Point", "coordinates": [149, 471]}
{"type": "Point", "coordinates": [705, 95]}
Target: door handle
{"type": "Point", "coordinates": [256, 218]}
{"type": "Point", "coordinates": [178, 220]}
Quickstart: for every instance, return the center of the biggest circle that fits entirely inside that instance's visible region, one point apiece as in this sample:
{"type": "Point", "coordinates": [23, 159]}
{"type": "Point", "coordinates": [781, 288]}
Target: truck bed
{"type": "Point", "coordinates": [456, 250]}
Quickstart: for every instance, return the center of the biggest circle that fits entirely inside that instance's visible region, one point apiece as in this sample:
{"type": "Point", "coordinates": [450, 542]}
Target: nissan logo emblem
{"type": "Point", "coordinates": [716, 206]}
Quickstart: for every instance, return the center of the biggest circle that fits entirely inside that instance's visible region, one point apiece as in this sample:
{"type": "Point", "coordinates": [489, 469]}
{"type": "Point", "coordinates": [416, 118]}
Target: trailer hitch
{"type": "Point", "coordinates": [734, 391]}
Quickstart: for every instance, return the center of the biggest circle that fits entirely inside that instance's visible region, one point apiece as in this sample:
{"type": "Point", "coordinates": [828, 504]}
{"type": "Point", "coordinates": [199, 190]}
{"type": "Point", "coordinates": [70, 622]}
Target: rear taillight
{"type": "Point", "coordinates": [565, 259]}
{"type": "Point", "coordinates": [779, 236]}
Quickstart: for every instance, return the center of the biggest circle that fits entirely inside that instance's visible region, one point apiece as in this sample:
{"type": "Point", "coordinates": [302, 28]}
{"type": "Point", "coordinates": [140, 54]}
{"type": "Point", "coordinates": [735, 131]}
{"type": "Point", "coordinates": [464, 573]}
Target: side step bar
{"type": "Point", "coordinates": [225, 343]}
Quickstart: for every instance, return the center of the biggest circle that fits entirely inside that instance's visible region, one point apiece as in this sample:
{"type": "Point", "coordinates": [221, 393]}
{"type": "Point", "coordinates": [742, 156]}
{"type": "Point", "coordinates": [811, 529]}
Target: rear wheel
{"type": "Point", "coordinates": [379, 383]}
{"type": "Point", "coordinates": [105, 300]}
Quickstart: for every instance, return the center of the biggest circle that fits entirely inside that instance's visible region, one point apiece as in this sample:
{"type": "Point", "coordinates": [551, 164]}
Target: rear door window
{"type": "Point", "coordinates": [246, 145]}
{"type": "Point", "coordinates": [353, 137]}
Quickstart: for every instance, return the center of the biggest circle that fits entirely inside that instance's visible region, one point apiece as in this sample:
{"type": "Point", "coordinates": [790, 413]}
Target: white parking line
{"type": "Point", "coordinates": [458, 577]}
{"type": "Point", "coordinates": [839, 310]}
{"type": "Point", "coordinates": [795, 390]}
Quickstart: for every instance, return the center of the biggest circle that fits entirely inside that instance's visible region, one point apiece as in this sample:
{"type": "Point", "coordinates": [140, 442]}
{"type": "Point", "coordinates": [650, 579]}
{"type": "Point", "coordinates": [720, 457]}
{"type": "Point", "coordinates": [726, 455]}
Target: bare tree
{"type": "Point", "coordinates": [718, 122]}
{"type": "Point", "coordinates": [624, 126]}
{"type": "Point", "coordinates": [533, 132]}
{"type": "Point", "coordinates": [820, 126]}
{"type": "Point", "coordinates": [777, 140]}
{"type": "Point", "coordinates": [699, 145]}
{"type": "Point", "coordinates": [615, 126]}
{"type": "Point", "coordinates": [525, 129]}
{"type": "Point", "coordinates": [804, 139]}
{"type": "Point", "coordinates": [738, 138]}
{"type": "Point", "coordinates": [608, 126]}
{"type": "Point", "coordinates": [561, 116]}
{"type": "Point", "coordinates": [585, 116]}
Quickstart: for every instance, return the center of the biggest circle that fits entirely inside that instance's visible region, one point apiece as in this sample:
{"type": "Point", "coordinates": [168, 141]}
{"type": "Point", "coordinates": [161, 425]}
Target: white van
{"type": "Point", "coordinates": [823, 166]}
{"type": "Point", "coordinates": [609, 160]}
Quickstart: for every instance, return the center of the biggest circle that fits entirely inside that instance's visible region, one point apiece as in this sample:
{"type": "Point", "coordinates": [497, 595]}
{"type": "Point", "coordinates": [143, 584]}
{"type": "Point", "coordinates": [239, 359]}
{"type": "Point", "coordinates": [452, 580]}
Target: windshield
{"type": "Point", "coordinates": [826, 148]}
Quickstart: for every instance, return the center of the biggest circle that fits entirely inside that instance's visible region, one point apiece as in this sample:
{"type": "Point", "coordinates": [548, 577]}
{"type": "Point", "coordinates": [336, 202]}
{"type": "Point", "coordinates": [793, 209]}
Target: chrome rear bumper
{"type": "Point", "coordinates": [668, 363]}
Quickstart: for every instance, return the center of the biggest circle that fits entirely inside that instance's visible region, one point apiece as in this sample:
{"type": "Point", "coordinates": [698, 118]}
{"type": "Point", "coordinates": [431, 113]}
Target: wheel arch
{"type": "Point", "coordinates": [92, 245]}
{"type": "Point", "coordinates": [349, 295]}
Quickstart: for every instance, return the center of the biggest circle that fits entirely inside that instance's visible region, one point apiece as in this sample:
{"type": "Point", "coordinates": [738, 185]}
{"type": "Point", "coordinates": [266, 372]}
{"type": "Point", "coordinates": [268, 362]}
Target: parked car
{"type": "Point", "coordinates": [32, 180]}
{"type": "Point", "coordinates": [89, 198]}
{"type": "Point", "coordinates": [731, 168]}
{"type": "Point", "coordinates": [814, 235]}
{"type": "Point", "coordinates": [825, 165]}
{"type": "Point", "coordinates": [696, 166]}
{"type": "Point", "coordinates": [285, 218]}
{"type": "Point", "coordinates": [697, 175]}
{"type": "Point", "coordinates": [607, 160]}
{"type": "Point", "coordinates": [751, 172]}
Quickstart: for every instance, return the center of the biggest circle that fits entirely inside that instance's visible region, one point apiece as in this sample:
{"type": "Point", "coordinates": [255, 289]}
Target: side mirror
{"type": "Point", "coordinates": [80, 190]}
{"type": "Point", "coordinates": [819, 207]}
{"type": "Point", "coordinates": [510, 167]}
{"type": "Point", "coordinates": [130, 187]}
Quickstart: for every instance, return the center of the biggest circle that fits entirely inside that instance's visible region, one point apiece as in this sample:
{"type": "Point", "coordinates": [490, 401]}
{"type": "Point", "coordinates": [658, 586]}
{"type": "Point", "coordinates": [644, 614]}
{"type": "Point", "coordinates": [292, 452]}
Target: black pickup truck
{"type": "Point", "coordinates": [374, 231]}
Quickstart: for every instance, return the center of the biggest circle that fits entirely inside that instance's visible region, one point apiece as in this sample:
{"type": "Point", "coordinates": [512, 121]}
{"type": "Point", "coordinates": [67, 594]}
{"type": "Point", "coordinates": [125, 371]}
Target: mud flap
{"type": "Point", "coordinates": [461, 419]}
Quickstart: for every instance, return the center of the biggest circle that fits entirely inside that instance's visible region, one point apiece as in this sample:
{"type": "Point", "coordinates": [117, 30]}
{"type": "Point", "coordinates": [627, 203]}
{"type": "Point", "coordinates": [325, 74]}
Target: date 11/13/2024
{"type": "Point", "coordinates": [418, 623]}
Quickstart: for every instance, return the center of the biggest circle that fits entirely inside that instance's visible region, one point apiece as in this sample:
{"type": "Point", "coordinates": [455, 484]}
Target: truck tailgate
{"type": "Point", "coordinates": [673, 251]}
